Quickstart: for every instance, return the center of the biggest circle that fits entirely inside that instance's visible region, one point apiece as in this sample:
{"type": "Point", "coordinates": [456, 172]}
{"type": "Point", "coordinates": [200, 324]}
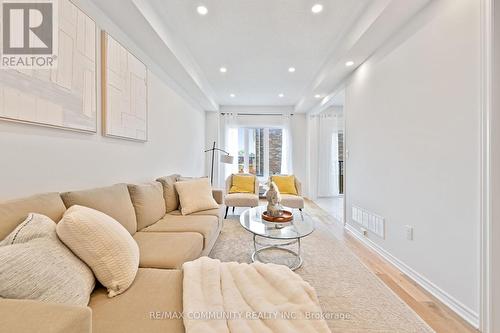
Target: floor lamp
{"type": "Point", "coordinates": [227, 159]}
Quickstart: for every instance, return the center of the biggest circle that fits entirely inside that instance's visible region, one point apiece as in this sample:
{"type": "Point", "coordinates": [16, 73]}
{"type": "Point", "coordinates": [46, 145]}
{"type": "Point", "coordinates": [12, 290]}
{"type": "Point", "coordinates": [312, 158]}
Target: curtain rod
{"type": "Point", "coordinates": [256, 114]}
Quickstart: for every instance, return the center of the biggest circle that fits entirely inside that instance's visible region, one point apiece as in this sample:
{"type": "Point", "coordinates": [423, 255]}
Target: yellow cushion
{"type": "Point", "coordinates": [286, 184]}
{"type": "Point", "coordinates": [243, 184]}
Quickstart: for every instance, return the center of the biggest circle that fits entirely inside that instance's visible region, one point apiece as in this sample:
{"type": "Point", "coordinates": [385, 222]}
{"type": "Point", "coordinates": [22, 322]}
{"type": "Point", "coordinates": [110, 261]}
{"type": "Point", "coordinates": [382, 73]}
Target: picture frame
{"type": "Point", "coordinates": [64, 97]}
{"type": "Point", "coordinates": [124, 92]}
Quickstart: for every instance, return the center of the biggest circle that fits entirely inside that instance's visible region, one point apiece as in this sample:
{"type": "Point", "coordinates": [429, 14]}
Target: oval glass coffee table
{"type": "Point", "coordinates": [284, 234]}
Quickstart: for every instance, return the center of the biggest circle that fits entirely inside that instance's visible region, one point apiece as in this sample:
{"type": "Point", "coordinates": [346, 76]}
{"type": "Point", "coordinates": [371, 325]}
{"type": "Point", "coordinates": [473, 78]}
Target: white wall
{"type": "Point", "coordinates": [36, 159]}
{"type": "Point", "coordinates": [412, 127]}
{"type": "Point", "coordinates": [212, 133]}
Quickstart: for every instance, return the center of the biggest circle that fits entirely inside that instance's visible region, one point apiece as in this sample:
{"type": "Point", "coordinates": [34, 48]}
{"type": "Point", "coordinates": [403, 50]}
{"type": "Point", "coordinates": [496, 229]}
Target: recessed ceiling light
{"type": "Point", "coordinates": [349, 63]}
{"type": "Point", "coordinates": [317, 8]}
{"type": "Point", "coordinates": [291, 69]}
{"type": "Point", "coordinates": [317, 96]}
{"type": "Point", "coordinates": [202, 10]}
{"type": "Point", "coordinates": [281, 95]}
{"type": "Point", "coordinates": [223, 69]}
{"type": "Point", "coordinates": [232, 95]}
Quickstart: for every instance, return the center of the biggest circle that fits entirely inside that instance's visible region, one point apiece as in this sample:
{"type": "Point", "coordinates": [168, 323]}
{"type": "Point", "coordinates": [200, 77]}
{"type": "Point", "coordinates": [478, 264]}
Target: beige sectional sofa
{"type": "Point", "coordinates": [165, 241]}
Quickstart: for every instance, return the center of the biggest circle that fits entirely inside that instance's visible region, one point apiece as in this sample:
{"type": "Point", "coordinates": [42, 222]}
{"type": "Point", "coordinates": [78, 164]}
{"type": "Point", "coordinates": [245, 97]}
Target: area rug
{"type": "Point", "coordinates": [353, 299]}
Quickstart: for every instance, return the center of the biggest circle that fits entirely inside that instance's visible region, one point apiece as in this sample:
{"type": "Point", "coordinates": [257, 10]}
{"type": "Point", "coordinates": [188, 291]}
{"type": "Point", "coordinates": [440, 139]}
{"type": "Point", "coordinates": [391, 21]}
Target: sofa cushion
{"type": "Point", "coordinates": [195, 196]}
{"type": "Point", "coordinates": [154, 290]}
{"type": "Point", "coordinates": [292, 201]}
{"type": "Point", "coordinates": [242, 184]}
{"type": "Point", "coordinates": [169, 193]}
{"type": "Point", "coordinates": [103, 244]}
{"type": "Point", "coordinates": [35, 264]}
{"type": "Point", "coordinates": [168, 249]}
{"type": "Point", "coordinates": [111, 200]}
{"type": "Point", "coordinates": [27, 316]}
{"type": "Point", "coordinates": [218, 212]}
{"type": "Point", "coordinates": [148, 202]}
{"type": "Point", "coordinates": [205, 225]}
{"type": "Point", "coordinates": [16, 211]}
{"type": "Point", "coordinates": [241, 200]}
{"type": "Point", "coordinates": [286, 184]}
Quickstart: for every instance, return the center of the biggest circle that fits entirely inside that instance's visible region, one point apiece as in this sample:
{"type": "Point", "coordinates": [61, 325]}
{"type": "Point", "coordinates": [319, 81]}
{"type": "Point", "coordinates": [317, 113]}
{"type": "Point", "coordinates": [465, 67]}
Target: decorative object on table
{"type": "Point", "coordinates": [124, 92]}
{"type": "Point", "coordinates": [63, 97]}
{"type": "Point", "coordinates": [275, 212]}
{"type": "Point", "coordinates": [273, 201]}
{"type": "Point", "coordinates": [226, 159]}
{"type": "Point", "coordinates": [285, 217]}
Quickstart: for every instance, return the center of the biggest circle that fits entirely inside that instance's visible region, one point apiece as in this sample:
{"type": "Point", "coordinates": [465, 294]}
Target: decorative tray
{"type": "Point", "coordinates": [286, 216]}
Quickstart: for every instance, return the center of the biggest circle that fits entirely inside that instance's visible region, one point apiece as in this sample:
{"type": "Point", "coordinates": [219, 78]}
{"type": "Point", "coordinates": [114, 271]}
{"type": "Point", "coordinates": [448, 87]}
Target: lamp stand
{"type": "Point", "coordinates": [213, 149]}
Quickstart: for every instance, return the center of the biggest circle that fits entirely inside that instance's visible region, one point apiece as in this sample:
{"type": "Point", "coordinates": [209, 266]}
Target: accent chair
{"type": "Point", "coordinates": [236, 197]}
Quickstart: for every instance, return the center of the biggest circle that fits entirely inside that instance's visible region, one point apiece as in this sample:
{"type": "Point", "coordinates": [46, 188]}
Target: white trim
{"type": "Point", "coordinates": [462, 310]}
{"type": "Point", "coordinates": [486, 50]}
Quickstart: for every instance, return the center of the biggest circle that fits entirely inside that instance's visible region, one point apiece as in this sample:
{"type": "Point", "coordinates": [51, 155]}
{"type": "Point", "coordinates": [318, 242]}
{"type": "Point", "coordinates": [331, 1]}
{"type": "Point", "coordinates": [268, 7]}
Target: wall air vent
{"type": "Point", "coordinates": [370, 221]}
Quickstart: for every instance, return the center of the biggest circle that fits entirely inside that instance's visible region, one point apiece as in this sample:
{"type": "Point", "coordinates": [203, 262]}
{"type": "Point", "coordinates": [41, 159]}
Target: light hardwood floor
{"type": "Point", "coordinates": [430, 309]}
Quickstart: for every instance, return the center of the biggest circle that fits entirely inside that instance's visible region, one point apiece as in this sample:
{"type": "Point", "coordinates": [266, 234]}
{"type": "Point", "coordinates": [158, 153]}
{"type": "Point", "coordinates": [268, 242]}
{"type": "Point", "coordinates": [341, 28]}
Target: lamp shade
{"type": "Point", "coordinates": [227, 159]}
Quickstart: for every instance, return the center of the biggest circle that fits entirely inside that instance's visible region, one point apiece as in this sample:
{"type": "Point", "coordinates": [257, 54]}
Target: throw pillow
{"type": "Point", "coordinates": [169, 194]}
{"type": "Point", "coordinates": [185, 179]}
{"type": "Point", "coordinates": [36, 265]}
{"type": "Point", "coordinates": [286, 184]}
{"type": "Point", "coordinates": [111, 200]}
{"type": "Point", "coordinates": [103, 244]}
{"type": "Point", "coordinates": [195, 195]}
{"type": "Point", "coordinates": [242, 184]}
{"type": "Point", "coordinates": [148, 202]}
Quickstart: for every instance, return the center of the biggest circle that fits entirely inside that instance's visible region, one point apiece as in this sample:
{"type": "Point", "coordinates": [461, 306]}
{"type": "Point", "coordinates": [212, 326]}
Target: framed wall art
{"type": "Point", "coordinates": [124, 92]}
{"type": "Point", "coordinates": [62, 97]}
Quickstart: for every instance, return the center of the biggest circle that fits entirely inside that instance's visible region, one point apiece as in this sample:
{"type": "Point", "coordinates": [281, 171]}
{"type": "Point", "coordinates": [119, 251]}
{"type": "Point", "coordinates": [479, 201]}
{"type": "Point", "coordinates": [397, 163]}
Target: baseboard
{"type": "Point", "coordinates": [463, 311]}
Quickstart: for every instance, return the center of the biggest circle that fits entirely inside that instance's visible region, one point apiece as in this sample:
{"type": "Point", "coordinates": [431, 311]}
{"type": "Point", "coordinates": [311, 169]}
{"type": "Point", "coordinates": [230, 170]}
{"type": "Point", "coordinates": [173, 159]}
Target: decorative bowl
{"type": "Point", "coordinates": [285, 217]}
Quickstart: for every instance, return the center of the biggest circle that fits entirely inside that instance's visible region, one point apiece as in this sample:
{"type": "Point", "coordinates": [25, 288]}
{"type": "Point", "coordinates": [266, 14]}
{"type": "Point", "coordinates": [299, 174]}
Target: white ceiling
{"type": "Point", "coordinates": [257, 41]}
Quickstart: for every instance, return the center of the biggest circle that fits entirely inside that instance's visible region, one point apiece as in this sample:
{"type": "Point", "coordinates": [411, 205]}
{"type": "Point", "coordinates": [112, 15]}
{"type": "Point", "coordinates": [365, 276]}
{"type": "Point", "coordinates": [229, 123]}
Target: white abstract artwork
{"type": "Point", "coordinates": [124, 92]}
{"type": "Point", "coordinates": [64, 97]}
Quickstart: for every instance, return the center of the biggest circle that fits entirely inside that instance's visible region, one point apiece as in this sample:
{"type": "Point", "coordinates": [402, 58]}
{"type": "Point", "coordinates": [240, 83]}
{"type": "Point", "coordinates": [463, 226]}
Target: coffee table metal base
{"type": "Point", "coordinates": [278, 246]}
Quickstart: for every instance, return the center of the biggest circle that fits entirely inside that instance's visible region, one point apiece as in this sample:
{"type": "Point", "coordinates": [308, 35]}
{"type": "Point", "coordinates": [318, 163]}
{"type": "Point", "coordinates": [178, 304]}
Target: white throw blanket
{"type": "Point", "coordinates": [232, 297]}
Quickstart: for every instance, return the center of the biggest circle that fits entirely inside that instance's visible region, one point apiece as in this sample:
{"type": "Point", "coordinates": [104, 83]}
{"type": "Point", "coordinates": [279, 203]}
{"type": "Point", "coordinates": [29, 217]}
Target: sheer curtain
{"type": "Point", "coordinates": [287, 145]}
{"type": "Point", "coordinates": [229, 142]}
{"type": "Point", "coordinates": [231, 122]}
{"type": "Point", "coordinates": [328, 159]}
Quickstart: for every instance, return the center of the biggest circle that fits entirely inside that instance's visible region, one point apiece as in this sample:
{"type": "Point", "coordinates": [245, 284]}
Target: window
{"type": "Point", "coordinates": [260, 151]}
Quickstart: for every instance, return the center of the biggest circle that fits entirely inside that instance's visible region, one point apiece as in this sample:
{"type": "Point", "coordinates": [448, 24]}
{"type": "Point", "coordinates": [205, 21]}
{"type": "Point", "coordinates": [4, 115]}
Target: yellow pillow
{"type": "Point", "coordinates": [242, 184]}
{"type": "Point", "coordinates": [286, 184]}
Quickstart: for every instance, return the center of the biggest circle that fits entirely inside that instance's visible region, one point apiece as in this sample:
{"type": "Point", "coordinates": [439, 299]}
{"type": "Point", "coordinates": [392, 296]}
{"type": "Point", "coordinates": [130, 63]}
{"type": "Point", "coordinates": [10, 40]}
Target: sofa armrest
{"type": "Point", "coordinates": [34, 316]}
{"type": "Point", "coordinates": [218, 195]}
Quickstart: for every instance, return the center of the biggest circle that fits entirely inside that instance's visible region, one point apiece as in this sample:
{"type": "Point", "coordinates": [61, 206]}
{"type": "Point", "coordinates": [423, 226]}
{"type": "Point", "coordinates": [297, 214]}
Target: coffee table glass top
{"type": "Point", "coordinates": [301, 225]}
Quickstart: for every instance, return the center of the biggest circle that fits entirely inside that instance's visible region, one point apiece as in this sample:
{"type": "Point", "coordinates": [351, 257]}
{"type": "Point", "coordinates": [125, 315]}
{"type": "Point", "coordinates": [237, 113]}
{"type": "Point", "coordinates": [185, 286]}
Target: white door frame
{"type": "Point", "coordinates": [485, 283]}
